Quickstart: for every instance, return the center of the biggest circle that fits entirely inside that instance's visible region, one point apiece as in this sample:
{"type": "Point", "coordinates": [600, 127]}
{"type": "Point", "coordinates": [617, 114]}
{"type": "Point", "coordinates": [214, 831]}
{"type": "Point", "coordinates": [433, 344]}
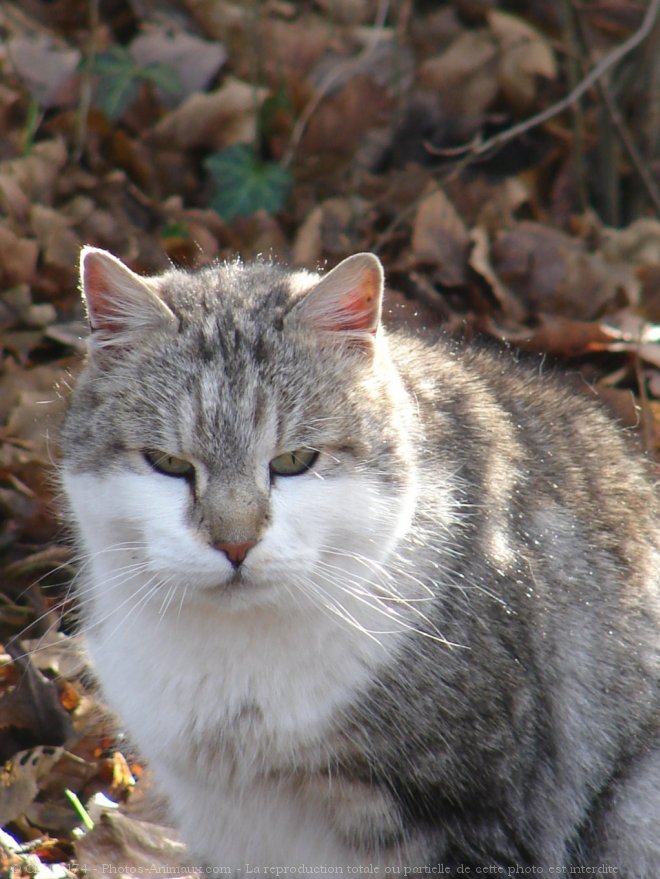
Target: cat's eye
{"type": "Point", "coordinates": [169, 465]}
{"type": "Point", "coordinates": [293, 463]}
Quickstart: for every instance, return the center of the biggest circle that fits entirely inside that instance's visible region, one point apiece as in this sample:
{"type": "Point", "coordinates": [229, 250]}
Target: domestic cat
{"type": "Point", "coordinates": [363, 602]}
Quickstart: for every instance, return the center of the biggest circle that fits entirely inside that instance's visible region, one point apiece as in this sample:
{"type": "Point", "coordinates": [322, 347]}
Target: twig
{"type": "Point", "coordinates": [645, 406]}
{"type": "Point", "coordinates": [575, 71]}
{"type": "Point", "coordinates": [333, 76]}
{"type": "Point", "coordinates": [87, 83]}
{"type": "Point", "coordinates": [598, 71]}
{"type": "Point", "coordinates": [631, 148]}
{"type": "Point", "coordinates": [622, 130]}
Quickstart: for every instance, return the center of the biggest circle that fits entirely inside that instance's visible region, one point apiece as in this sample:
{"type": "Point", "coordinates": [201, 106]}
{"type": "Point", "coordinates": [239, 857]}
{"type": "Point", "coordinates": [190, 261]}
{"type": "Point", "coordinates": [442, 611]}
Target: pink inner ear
{"type": "Point", "coordinates": [358, 306]}
{"type": "Point", "coordinates": [348, 298]}
{"type": "Point", "coordinates": [102, 315]}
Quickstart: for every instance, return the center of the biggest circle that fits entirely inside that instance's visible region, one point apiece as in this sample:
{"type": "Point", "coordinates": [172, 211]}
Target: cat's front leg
{"type": "Point", "coordinates": [369, 821]}
{"type": "Point", "coordinates": [627, 833]}
{"type": "Point", "coordinates": [246, 826]}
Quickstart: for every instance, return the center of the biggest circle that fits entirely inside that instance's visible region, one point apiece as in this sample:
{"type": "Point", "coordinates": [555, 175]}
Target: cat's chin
{"type": "Point", "coordinates": [240, 590]}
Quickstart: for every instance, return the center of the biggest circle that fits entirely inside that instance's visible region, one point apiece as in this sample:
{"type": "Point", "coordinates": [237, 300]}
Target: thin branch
{"type": "Point", "coordinates": [598, 71]}
{"type": "Point", "coordinates": [623, 132]}
{"type": "Point", "coordinates": [631, 148]}
{"type": "Point", "coordinates": [575, 71]}
{"type": "Point", "coordinates": [333, 77]}
{"type": "Point", "coordinates": [87, 82]}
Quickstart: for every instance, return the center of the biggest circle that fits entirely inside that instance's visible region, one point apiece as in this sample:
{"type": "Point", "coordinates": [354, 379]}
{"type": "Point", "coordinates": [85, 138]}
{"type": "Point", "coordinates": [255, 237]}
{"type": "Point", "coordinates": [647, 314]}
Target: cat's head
{"type": "Point", "coordinates": [239, 433]}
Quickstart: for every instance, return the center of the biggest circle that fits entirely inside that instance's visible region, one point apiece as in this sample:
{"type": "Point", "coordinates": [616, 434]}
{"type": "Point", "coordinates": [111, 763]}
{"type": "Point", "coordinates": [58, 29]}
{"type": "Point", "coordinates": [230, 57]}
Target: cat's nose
{"type": "Point", "coordinates": [236, 552]}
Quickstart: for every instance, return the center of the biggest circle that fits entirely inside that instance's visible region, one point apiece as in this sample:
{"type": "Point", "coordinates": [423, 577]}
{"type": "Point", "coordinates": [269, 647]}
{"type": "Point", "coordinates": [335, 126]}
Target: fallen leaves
{"type": "Point", "coordinates": [212, 121]}
{"type": "Point", "coordinates": [306, 131]}
{"type": "Point", "coordinates": [440, 241]}
{"type": "Point", "coordinates": [44, 65]}
{"type": "Point", "coordinates": [507, 58]}
{"type": "Point", "coordinates": [553, 272]}
{"type": "Point", "coordinates": [146, 846]}
{"type": "Point", "coordinates": [525, 57]}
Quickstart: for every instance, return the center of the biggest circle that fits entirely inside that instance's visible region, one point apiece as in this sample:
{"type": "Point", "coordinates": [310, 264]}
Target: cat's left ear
{"type": "Point", "coordinates": [347, 300]}
{"type": "Point", "coordinates": [120, 304]}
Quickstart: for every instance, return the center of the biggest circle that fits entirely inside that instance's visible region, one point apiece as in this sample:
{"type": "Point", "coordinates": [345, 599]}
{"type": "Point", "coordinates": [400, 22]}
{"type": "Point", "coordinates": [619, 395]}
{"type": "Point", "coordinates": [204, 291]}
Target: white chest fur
{"type": "Point", "coordinates": [232, 701]}
{"type": "Point", "coordinates": [230, 710]}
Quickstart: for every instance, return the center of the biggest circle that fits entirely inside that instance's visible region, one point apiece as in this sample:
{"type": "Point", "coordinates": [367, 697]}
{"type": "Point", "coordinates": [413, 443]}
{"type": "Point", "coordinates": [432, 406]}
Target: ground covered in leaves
{"type": "Point", "coordinates": [502, 158]}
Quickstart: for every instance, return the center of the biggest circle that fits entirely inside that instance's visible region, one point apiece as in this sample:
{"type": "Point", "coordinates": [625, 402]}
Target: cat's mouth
{"type": "Point", "coordinates": [237, 581]}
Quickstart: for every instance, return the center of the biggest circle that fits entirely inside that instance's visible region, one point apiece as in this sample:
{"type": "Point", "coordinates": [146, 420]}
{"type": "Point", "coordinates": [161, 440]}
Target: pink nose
{"type": "Point", "coordinates": [236, 552]}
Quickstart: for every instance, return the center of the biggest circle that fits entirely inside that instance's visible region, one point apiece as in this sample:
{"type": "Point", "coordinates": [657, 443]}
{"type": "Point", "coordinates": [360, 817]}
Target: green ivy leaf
{"type": "Point", "coordinates": [119, 79]}
{"type": "Point", "coordinates": [163, 76]}
{"type": "Point", "coordinates": [271, 106]}
{"type": "Point", "coordinates": [243, 184]}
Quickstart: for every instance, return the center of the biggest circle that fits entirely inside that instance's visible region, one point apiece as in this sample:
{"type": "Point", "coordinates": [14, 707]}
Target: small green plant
{"type": "Point", "coordinates": [32, 120]}
{"type": "Point", "coordinates": [243, 183]}
{"type": "Point", "coordinates": [119, 78]}
{"type": "Point", "coordinates": [83, 814]}
{"type": "Point", "coordinates": [175, 229]}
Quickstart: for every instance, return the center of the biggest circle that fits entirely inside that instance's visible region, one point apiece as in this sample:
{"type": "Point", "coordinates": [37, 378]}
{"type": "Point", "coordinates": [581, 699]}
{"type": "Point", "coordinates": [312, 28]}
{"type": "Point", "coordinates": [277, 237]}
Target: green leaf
{"type": "Point", "coordinates": [243, 184]}
{"type": "Point", "coordinates": [273, 104]}
{"type": "Point", "coordinates": [31, 124]}
{"type": "Point", "coordinates": [113, 60]}
{"type": "Point", "coordinates": [175, 229]}
{"type": "Point", "coordinates": [162, 75]}
{"type": "Point", "coordinates": [80, 809]}
{"type": "Point", "coordinates": [119, 78]}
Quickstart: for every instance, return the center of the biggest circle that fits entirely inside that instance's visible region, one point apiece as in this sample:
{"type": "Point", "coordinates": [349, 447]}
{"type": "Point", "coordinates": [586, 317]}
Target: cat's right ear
{"type": "Point", "coordinates": [346, 302]}
{"type": "Point", "coordinates": [121, 305]}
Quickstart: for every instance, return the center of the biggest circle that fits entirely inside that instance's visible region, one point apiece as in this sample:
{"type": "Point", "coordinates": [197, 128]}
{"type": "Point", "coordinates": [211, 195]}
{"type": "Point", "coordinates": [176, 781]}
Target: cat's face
{"type": "Point", "coordinates": [237, 437]}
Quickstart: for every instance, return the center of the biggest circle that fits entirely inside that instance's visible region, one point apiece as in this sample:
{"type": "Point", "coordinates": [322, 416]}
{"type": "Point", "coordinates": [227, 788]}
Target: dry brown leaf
{"type": "Point", "coordinates": [349, 11]}
{"type": "Point", "coordinates": [31, 706]}
{"type": "Point", "coordinates": [552, 272]}
{"type": "Point", "coordinates": [465, 74]}
{"type": "Point", "coordinates": [653, 379]}
{"type": "Point", "coordinates": [31, 404]}
{"type": "Point", "coordinates": [213, 121]}
{"type": "Point", "coordinates": [195, 60]}
{"type": "Point", "coordinates": [524, 56]}
{"type": "Point", "coordinates": [441, 240]}
{"type": "Point", "coordinates": [59, 244]}
{"type": "Point", "coordinates": [342, 119]}
{"type": "Point", "coordinates": [37, 173]}
{"type": "Point", "coordinates": [480, 261]}
{"type": "Point", "coordinates": [308, 244]}
{"type": "Point", "coordinates": [43, 65]}
{"type": "Point", "coordinates": [19, 779]}
{"type": "Point", "coordinates": [290, 49]}
{"type": "Point", "coordinates": [63, 654]}
{"type": "Point", "coordinates": [638, 243]}
{"type": "Point", "coordinates": [338, 222]}
{"type": "Point", "coordinates": [559, 336]}
{"type": "Point", "coordinates": [261, 234]}
{"type": "Point", "coordinates": [132, 846]}
{"type": "Point", "coordinates": [18, 258]}
{"type": "Point", "coordinates": [14, 201]}
{"type": "Point", "coordinates": [492, 204]}
{"type": "Point", "coordinates": [650, 352]}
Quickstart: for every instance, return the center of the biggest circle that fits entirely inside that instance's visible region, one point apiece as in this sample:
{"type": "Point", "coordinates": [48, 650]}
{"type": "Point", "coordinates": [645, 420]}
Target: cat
{"type": "Point", "coordinates": [362, 601]}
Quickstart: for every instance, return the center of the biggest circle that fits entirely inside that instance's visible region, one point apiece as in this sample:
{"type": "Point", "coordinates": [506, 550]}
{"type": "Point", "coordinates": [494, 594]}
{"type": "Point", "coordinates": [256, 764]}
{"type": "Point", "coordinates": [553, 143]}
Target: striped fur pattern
{"type": "Point", "coordinates": [436, 644]}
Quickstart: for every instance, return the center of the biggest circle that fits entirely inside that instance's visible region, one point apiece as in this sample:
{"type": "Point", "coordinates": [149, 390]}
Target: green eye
{"type": "Point", "coordinates": [168, 464]}
{"type": "Point", "coordinates": [293, 463]}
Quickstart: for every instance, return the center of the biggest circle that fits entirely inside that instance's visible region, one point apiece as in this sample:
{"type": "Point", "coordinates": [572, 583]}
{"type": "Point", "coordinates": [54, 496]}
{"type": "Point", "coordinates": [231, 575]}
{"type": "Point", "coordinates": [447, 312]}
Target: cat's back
{"type": "Point", "coordinates": [554, 555]}
{"type": "Point", "coordinates": [546, 588]}
{"type": "Point", "coordinates": [529, 430]}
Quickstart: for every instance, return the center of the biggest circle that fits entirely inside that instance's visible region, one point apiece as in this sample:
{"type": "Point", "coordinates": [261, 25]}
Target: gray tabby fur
{"type": "Point", "coordinates": [506, 713]}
